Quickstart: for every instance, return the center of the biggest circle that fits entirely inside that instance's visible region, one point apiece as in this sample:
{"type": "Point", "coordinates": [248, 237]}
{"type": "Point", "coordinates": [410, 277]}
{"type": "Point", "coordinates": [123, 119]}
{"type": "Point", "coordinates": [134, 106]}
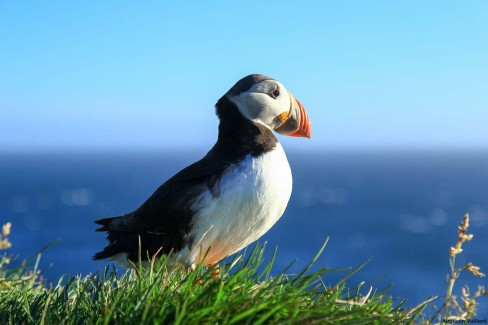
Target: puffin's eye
{"type": "Point", "coordinates": [275, 93]}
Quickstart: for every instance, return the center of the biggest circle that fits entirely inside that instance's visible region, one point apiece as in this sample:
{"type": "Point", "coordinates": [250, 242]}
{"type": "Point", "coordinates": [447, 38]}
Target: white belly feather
{"type": "Point", "coordinates": [253, 196]}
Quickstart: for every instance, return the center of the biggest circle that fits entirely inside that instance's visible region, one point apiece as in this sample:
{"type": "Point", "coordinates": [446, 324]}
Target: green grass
{"type": "Point", "coordinates": [245, 293]}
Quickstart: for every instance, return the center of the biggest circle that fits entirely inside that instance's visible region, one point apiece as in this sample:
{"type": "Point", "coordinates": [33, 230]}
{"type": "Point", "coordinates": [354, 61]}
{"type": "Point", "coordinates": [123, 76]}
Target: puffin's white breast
{"type": "Point", "coordinates": [252, 197]}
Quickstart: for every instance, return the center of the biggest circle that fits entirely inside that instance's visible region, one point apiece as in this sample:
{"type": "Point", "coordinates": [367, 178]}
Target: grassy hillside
{"type": "Point", "coordinates": [244, 293]}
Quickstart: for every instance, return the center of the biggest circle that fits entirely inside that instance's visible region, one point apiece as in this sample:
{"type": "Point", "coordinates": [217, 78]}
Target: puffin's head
{"type": "Point", "coordinates": [266, 101]}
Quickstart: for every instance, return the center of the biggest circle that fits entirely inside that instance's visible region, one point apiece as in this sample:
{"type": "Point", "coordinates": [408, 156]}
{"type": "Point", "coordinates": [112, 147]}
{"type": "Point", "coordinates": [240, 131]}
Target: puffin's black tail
{"type": "Point", "coordinates": [124, 237]}
{"type": "Point", "coordinates": [112, 248]}
{"type": "Point", "coordinates": [107, 252]}
{"type": "Point", "coordinates": [104, 223]}
{"type": "Point", "coordinates": [121, 238]}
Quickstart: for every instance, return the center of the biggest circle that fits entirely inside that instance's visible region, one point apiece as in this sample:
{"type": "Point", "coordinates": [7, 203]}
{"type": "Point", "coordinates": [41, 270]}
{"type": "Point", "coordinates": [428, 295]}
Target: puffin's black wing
{"type": "Point", "coordinates": [164, 221]}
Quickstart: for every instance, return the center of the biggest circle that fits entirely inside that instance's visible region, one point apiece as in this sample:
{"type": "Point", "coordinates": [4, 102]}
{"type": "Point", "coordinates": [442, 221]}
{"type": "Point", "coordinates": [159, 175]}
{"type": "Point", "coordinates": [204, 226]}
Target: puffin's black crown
{"type": "Point", "coordinates": [246, 83]}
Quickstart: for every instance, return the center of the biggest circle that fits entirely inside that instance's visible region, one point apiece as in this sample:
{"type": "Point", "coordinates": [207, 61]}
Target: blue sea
{"type": "Point", "coordinates": [399, 210]}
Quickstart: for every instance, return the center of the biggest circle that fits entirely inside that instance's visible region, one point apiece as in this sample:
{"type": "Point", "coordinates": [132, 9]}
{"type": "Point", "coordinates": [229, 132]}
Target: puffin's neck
{"type": "Point", "coordinates": [238, 136]}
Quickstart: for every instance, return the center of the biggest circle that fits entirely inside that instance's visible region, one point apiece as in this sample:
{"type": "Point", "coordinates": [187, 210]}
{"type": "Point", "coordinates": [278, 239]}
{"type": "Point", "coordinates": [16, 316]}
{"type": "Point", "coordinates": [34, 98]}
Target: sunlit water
{"type": "Point", "coordinates": [398, 209]}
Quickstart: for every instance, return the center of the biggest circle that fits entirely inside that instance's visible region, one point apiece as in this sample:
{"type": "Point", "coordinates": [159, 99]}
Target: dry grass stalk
{"type": "Point", "coordinates": [468, 307]}
{"type": "Point", "coordinates": [4, 242]}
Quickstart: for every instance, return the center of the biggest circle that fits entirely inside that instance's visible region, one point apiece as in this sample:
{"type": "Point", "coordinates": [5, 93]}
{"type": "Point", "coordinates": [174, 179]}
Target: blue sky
{"type": "Point", "coordinates": [146, 74]}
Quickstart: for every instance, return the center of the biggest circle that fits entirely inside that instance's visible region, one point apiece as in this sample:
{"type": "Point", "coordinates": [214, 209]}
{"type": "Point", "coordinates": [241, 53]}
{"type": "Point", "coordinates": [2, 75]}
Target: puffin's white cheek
{"type": "Point", "coordinates": [245, 106]}
{"type": "Point", "coordinates": [261, 108]}
{"type": "Point", "coordinates": [253, 107]}
{"type": "Point", "coordinates": [267, 117]}
{"type": "Point", "coordinates": [268, 109]}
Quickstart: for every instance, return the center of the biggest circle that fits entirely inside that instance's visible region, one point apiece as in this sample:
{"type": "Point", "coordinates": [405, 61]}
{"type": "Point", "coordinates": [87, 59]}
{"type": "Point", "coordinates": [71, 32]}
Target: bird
{"type": "Point", "coordinates": [222, 203]}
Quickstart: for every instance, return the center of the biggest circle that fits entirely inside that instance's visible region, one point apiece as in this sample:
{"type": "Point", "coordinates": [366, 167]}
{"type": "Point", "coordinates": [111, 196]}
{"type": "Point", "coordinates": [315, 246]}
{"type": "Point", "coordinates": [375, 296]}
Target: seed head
{"type": "Point", "coordinates": [463, 227]}
{"type": "Point", "coordinates": [6, 229]}
{"type": "Point", "coordinates": [475, 270]}
{"type": "Point", "coordinates": [455, 250]}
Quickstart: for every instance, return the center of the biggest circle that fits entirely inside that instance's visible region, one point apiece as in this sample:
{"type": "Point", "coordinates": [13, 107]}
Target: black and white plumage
{"type": "Point", "coordinates": [229, 198]}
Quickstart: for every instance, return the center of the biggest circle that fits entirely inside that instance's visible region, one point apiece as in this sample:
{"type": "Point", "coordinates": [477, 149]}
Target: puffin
{"type": "Point", "coordinates": [227, 200]}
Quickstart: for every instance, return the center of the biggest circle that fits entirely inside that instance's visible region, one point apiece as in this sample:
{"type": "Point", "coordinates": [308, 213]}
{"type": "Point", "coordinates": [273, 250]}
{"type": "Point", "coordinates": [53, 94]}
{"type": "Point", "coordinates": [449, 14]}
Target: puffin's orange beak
{"type": "Point", "coordinates": [296, 122]}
